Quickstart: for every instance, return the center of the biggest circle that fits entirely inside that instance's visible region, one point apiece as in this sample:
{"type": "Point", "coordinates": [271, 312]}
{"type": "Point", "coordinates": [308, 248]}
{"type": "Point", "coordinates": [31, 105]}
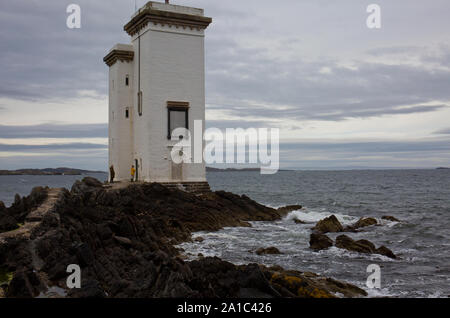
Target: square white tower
{"type": "Point", "coordinates": [157, 84]}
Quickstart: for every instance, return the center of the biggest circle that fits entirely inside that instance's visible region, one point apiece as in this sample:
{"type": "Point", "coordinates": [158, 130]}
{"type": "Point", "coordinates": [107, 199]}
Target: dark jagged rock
{"type": "Point", "coordinates": [318, 241]}
{"type": "Point", "coordinates": [383, 250]}
{"type": "Point", "coordinates": [7, 222]}
{"type": "Point", "coordinates": [11, 218]}
{"type": "Point", "coordinates": [289, 208]}
{"type": "Point", "coordinates": [123, 239]}
{"type": "Point", "coordinates": [327, 225]}
{"type": "Point", "coordinates": [88, 184]}
{"type": "Point", "coordinates": [310, 285]}
{"type": "Point", "coordinates": [362, 246]}
{"type": "Point", "coordinates": [390, 218]}
{"type": "Point", "coordinates": [25, 284]}
{"type": "Point", "coordinates": [266, 251]}
{"type": "Point", "coordinates": [363, 222]}
{"type": "Point", "coordinates": [297, 221]}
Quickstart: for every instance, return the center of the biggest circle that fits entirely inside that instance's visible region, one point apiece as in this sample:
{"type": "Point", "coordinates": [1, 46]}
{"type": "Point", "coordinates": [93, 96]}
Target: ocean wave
{"type": "Point", "coordinates": [311, 216]}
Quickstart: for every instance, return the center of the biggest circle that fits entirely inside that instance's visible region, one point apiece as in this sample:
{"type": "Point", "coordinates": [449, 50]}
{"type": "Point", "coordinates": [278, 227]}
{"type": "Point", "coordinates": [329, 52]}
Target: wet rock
{"type": "Point", "coordinates": [85, 255]}
{"type": "Point", "coordinates": [25, 284]}
{"type": "Point", "coordinates": [104, 231]}
{"type": "Point", "coordinates": [297, 221]}
{"type": "Point", "coordinates": [7, 223]}
{"type": "Point", "coordinates": [124, 241]}
{"type": "Point", "coordinates": [88, 184]}
{"type": "Point", "coordinates": [362, 246]}
{"type": "Point", "coordinates": [252, 293]}
{"type": "Point", "coordinates": [319, 241]}
{"type": "Point", "coordinates": [289, 208]}
{"type": "Point", "coordinates": [306, 285]}
{"type": "Point", "coordinates": [390, 218]}
{"type": "Point", "coordinates": [383, 250]}
{"type": "Point", "coordinates": [199, 239]}
{"type": "Point", "coordinates": [329, 224]}
{"type": "Point", "coordinates": [265, 251]}
{"type": "Point", "coordinates": [363, 222]}
{"type": "Point", "coordinates": [89, 289]}
{"type": "Point", "coordinates": [17, 199]}
{"type": "Point", "coordinates": [13, 217]}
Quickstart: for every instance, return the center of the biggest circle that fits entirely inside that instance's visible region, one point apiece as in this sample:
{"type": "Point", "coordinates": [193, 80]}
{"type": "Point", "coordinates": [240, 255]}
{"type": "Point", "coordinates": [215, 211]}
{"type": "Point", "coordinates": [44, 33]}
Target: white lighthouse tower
{"type": "Point", "coordinates": [157, 84]}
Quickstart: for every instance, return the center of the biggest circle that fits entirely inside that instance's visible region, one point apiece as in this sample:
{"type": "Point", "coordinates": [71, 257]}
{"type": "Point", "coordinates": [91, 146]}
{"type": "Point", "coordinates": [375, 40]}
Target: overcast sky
{"type": "Point", "coordinates": [343, 95]}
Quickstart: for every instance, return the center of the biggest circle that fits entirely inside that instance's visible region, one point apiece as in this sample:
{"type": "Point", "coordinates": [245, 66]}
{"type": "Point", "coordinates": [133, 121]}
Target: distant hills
{"type": "Point", "coordinates": [47, 172]}
{"type": "Point", "coordinates": [211, 169]}
{"type": "Point", "coordinates": [442, 168]}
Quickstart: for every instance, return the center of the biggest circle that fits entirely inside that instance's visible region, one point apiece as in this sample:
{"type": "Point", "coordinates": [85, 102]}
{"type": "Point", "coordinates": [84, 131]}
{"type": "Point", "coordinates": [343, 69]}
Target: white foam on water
{"type": "Point", "coordinates": [311, 216]}
{"type": "Point", "coordinates": [436, 294]}
{"type": "Point", "coordinates": [375, 292]}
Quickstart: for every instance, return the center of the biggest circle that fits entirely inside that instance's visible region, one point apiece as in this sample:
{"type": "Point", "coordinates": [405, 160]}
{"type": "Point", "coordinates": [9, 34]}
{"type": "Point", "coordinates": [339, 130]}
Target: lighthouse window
{"type": "Point", "coordinates": [178, 118]}
{"type": "Point", "coordinates": [127, 80]}
{"type": "Point", "coordinates": [127, 112]}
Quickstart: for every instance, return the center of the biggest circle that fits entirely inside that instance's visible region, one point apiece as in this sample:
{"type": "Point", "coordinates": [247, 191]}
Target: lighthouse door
{"type": "Point", "coordinates": [136, 164]}
{"type": "Point", "coordinates": [177, 171]}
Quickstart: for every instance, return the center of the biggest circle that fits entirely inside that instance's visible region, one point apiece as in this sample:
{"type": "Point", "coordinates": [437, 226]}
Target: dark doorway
{"type": "Point", "coordinates": [136, 164]}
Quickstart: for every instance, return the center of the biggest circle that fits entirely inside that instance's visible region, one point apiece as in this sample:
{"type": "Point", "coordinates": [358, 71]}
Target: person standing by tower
{"type": "Point", "coordinates": [133, 172]}
{"type": "Point", "coordinates": [112, 173]}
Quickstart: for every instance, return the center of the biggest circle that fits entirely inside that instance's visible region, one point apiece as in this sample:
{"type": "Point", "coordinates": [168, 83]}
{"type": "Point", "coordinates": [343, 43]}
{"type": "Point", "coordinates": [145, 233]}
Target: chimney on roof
{"type": "Point", "coordinates": [167, 1]}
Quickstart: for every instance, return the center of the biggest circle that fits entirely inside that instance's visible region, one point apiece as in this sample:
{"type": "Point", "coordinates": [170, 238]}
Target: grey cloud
{"type": "Point", "coordinates": [380, 51]}
{"type": "Point", "coordinates": [41, 58]}
{"type": "Point", "coordinates": [373, 89]}
{"type": "Point", "coordinates": [372, 147]}
{"type": "Point", "coordinates": [55, 131]}
{"type": "Point", "coordinates": [360, 155]}
{"type": "Point", "coordinates": [443, 132]}
{"type": "Point", "coordinates": [89, 161]}
{"type": "Point", "coordinates": [224, 124]}
{"type": "Point", "coordinates": [51, 147]}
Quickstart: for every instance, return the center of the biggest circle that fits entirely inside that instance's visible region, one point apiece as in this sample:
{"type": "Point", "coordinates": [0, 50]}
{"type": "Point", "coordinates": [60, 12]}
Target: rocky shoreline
{"type": "Point", "coordinates": [124, 241]}
{"type": "Point", "coordinates": [319, 241]}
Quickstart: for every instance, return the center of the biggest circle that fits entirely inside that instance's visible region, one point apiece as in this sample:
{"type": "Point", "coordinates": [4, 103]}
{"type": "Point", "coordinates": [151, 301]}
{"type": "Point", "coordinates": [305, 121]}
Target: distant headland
{"type": "Point", "coordinates": [47, 172]}
{"type": "Point", "coordinates": [76, 172]}
{"type": "Point", "coordinates": [440, 168]}
{"type": "Point", "coordinates": [211, 169]}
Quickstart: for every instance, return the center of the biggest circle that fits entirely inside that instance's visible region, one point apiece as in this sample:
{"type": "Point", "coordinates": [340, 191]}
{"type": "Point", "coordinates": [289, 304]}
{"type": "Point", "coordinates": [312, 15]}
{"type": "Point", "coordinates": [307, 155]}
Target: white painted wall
{"type": "Point", "coordinates": [120, 127]}
{"type": "Point", "coordinates": [172, 68]}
